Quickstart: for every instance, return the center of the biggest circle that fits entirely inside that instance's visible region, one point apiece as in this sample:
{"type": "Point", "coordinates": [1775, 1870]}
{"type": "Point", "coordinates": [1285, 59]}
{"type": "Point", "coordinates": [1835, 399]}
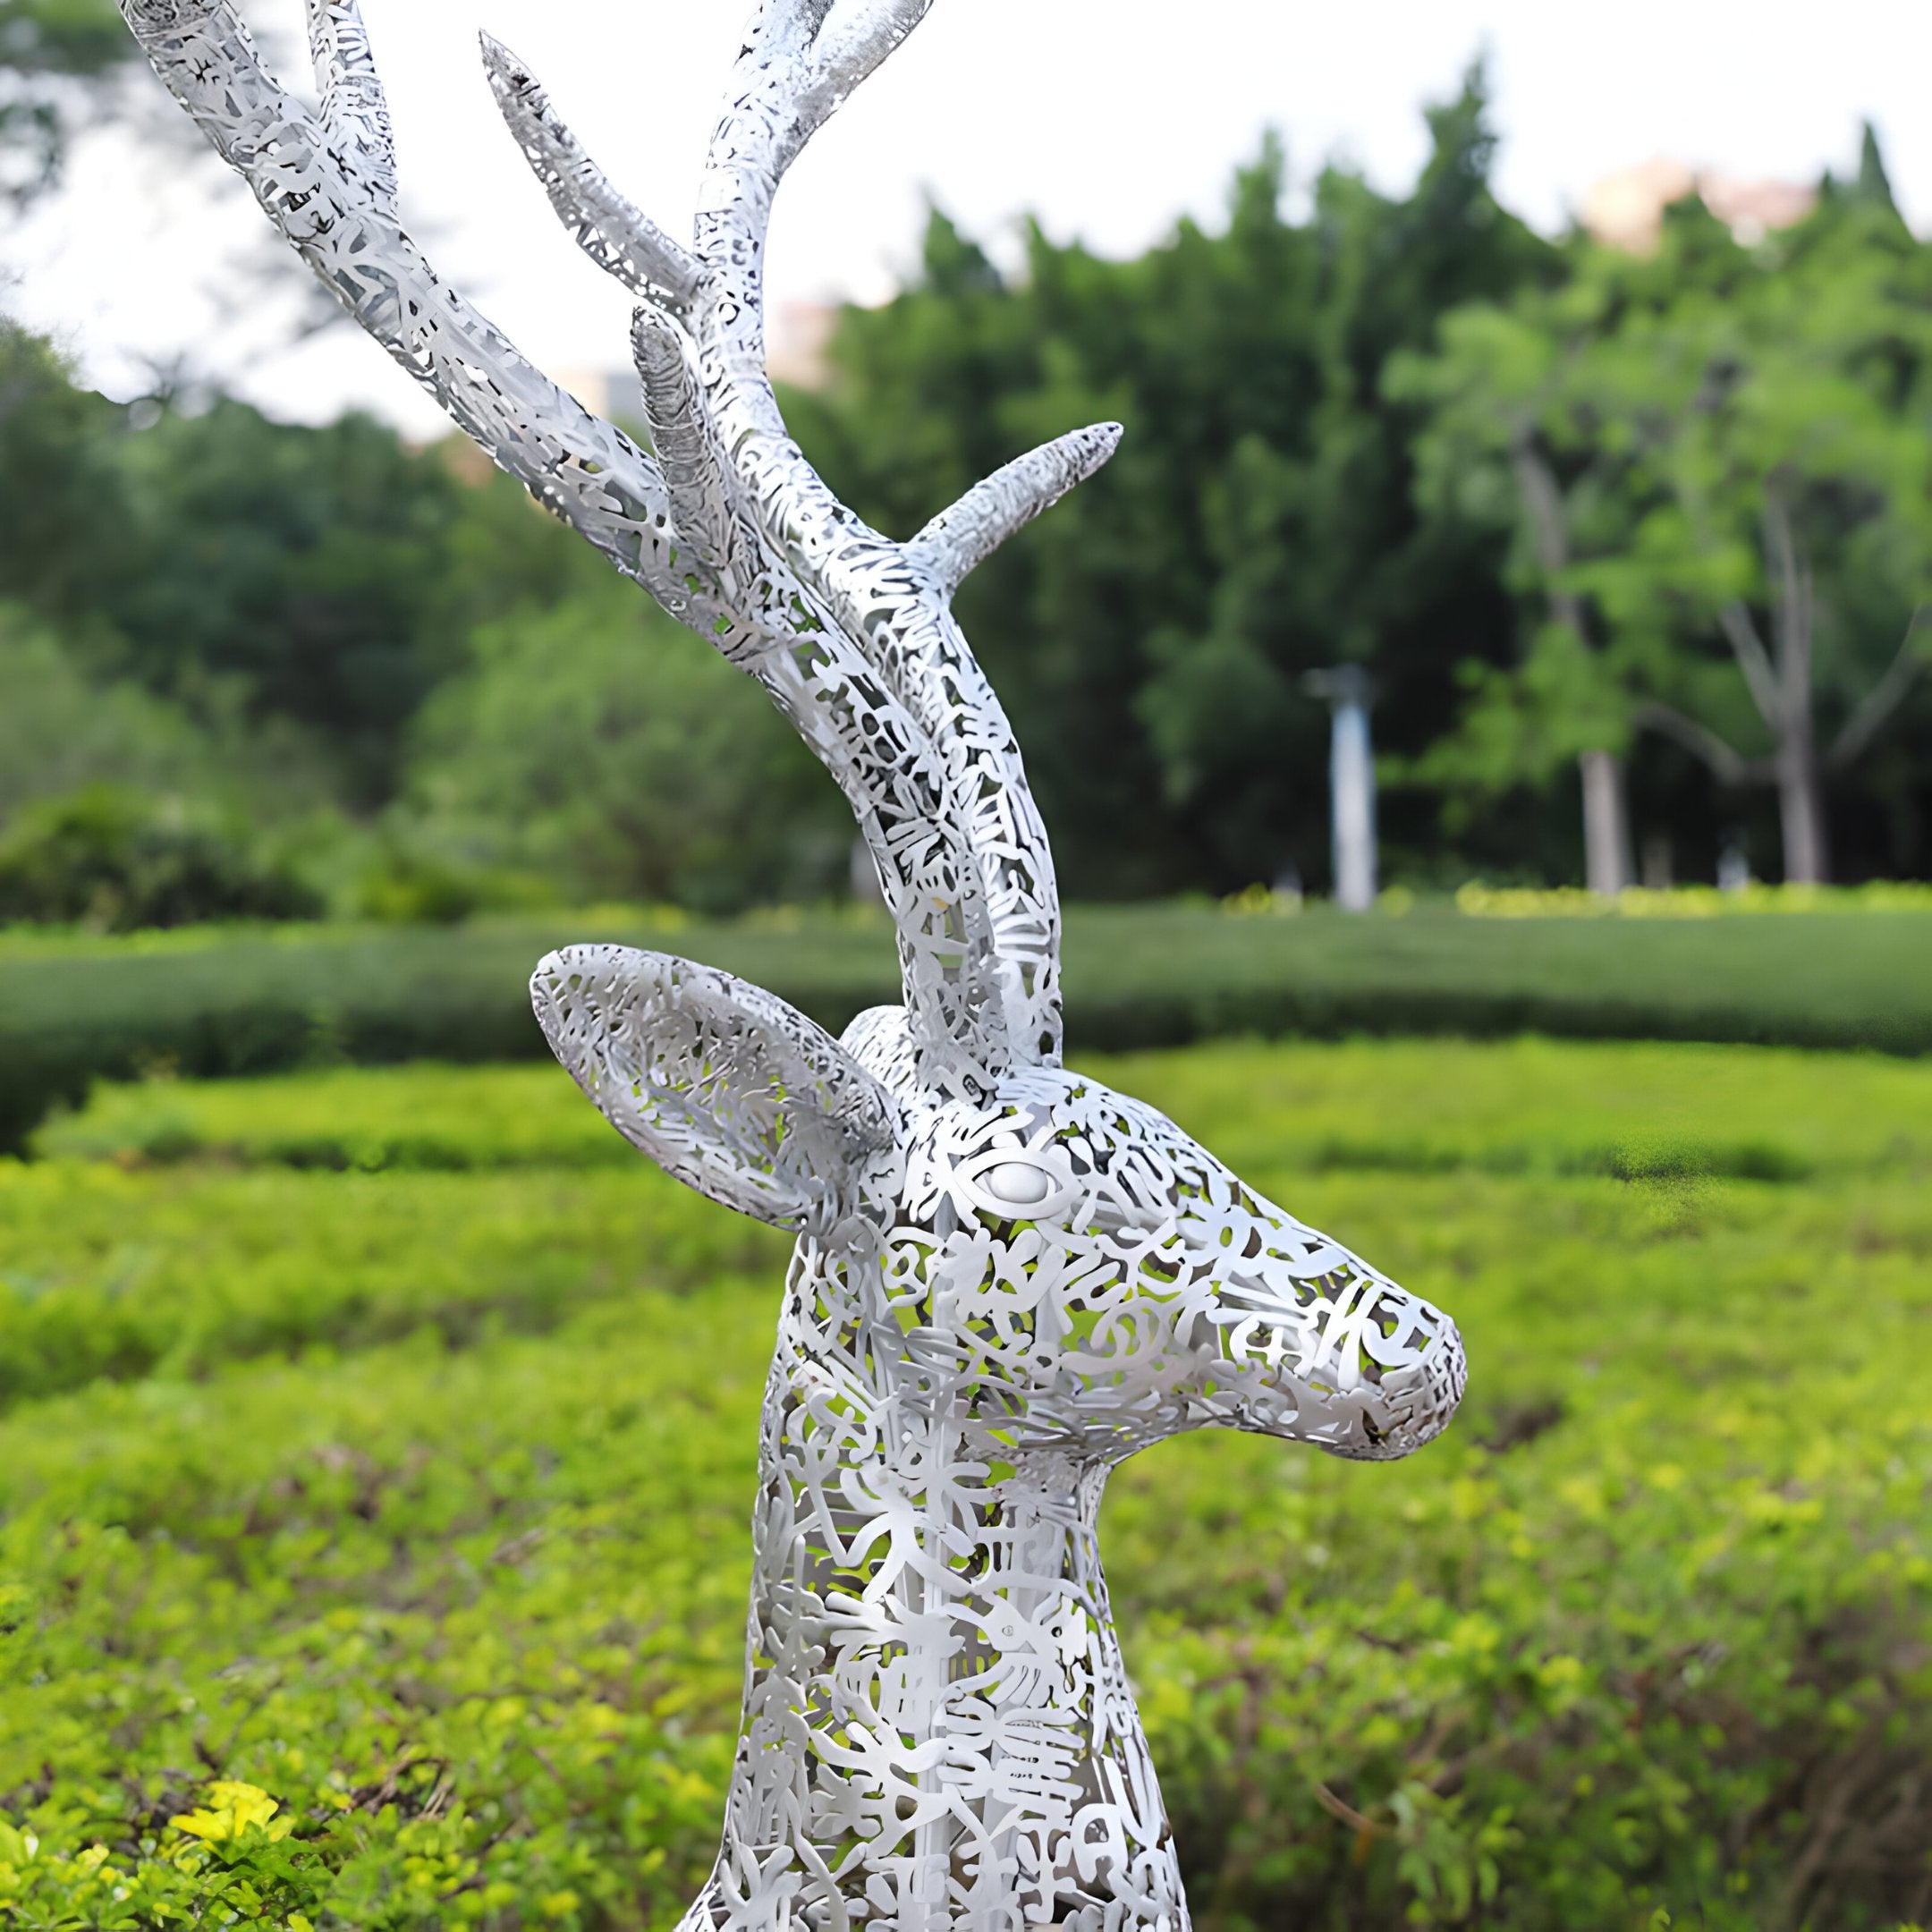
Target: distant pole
{"type": "Point", "coordinates": [1351, 784]}
{"type": "Point", "coordinates": [866, 890]}
{"type": "Point", "coordinates": [1606, 855]}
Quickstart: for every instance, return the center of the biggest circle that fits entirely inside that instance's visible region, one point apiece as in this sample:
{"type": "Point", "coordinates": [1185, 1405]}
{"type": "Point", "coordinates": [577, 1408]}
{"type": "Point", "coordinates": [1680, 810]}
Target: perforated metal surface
{"type": "Point", "coordinates": [1008, 1278]}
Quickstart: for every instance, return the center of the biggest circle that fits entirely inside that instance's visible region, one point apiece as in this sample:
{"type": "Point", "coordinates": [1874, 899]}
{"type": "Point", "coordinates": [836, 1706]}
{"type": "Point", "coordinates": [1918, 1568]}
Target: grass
{"type": "Point", "coordinates": [1525, 1105]}
{"type": "Point", "coordinates": [381, 1442]}
{"type": "Point", "coordinates": [241, 1002]}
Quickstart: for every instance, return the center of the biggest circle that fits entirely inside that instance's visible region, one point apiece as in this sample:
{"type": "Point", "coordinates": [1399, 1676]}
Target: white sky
{"type": "Point", "coordinates": [1109, 120]}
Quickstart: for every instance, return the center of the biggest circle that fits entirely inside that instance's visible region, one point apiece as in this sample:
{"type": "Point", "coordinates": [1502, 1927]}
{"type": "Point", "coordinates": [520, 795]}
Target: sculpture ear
{"type": "Point", "coordinates": [724, 1086]}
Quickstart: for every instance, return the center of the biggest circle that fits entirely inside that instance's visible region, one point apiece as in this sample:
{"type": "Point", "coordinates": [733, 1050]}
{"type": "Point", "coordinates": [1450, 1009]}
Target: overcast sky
{"type": "Point", "coordinates": [1109, 120]}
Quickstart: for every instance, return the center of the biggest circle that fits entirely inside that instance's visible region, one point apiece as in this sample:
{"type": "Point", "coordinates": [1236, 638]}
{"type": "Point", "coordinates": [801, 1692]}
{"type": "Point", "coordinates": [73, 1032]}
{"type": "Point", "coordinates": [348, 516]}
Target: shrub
{"type": "Point", "coordinates": [115, 860]}
{"type": "Point", "coordinates": [588, 744]}
{"type": "Point", "coordinates": [372, 1545]}
{"type": "Point", "coordinates": [210, 1002]}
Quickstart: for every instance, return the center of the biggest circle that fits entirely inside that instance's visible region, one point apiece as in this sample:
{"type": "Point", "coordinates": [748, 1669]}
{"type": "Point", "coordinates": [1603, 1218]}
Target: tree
{"type": "Point", "coordinates": [589, 743]}
{"type": "Point", "coordinates": [59, 732]}
{"type": "Point", "coordinates": [1779, 445]}
{"type": "Point", "coordinates": [116, 861]}
{"type": "Point", "coordinates": [332, 575]}
{"type": "Point", "coordinates": [1507, 442]}
{"type": "Point", "coordinates": [58, 485]}
{"type": "Point", "coordinates": [1326, 558]}
{"type": "Point", "coordinates": [1259, 523]}
{"type": "Point", "coordinates": [1706, 449]}
{"type": "Point", "coordinates": [249, 571]}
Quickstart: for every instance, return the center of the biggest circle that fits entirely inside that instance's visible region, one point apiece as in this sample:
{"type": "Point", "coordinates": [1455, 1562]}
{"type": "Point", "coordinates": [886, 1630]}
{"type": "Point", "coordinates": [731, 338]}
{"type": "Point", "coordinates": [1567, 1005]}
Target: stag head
{"type": "Point", "coordinates": [1008, 1278]}
{"type": "Point", "coordinates": [1059, 1264]}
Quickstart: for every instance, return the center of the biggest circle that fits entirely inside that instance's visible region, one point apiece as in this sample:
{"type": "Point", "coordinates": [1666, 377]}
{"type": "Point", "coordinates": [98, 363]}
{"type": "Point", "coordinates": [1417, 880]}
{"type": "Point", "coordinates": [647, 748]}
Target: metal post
{"type": "Point", "coordinates": [1351, 784]}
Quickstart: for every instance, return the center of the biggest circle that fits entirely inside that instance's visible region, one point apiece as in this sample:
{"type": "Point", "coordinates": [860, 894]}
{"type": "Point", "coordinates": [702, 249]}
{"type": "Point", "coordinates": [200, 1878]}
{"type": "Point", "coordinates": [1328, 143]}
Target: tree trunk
{"type": "Point", "coordinates": [1606, 844]}
{"type": "Point", "coordinates": [1607, 857]}
{"type": "Point", "coordinates": [1800, 785]}
{"type": "Point", "coordinates": [1801, 811]}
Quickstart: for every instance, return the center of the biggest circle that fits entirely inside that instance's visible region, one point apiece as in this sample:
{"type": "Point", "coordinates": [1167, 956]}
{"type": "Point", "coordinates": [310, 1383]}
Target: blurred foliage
{"type": "Point", "coordinates": [1641, 1110]}
{"type": "Point", "coordinates": [58, 486]}
{"type": "Point", "coordinates": [1728, 439]}
{"type": "Point", "coordinates": [278, 608]}
{"type": "Point", "coordinates": [47, 47]}
{"type": "Point", "coordinates": [1327, 426]}
{"type": "Point", "coordinates": [61, 730]}
{"type": "Point", "coordinates": [435, 702]}
{"type": "Point", "coordinates": [116, 861]}
{"type": "Point", "coordinates": [1259, 523]}
{"type": "Point", "coordinates": [222, 1003]}
{"type": "Point", "coordinates": [309, 565]}
{"type": "Point", "coordinates": [594, 745]}
{"type": "Point", "coordinates": [1691, 901]}
{"type": "Point", "coordinates": [372, 1549]}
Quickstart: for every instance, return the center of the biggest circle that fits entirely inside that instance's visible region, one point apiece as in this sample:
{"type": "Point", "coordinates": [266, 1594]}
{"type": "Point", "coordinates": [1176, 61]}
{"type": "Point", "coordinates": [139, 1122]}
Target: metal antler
{"type": "Point", "coordinates": [728, 526]}
{"type": "Point", "coordinates": [799, 63]}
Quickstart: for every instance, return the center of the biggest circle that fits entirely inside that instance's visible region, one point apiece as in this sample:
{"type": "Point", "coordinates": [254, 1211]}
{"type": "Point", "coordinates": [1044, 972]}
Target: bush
{"type": "Point", "coordinates": [209, 1003]}
{"type": "Point", "coordinates": [115, 861]}
{"type": "Point", "coordinates": [62, 729]}
{"type": "Point", "coordinates": [404, 889]}
{"type": "Point", "coordinates": [590, 745]}
{"type": "Point", "coordinates": [373, 1554]}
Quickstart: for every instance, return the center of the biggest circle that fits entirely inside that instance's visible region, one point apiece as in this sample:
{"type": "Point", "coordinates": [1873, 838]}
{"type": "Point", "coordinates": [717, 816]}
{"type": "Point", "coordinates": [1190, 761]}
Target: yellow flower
{"type": "Point", "coordinates": [232, 1810]}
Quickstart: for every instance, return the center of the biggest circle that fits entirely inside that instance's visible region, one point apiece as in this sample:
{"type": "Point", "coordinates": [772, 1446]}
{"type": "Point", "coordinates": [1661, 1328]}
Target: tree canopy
{"type": "Point", "coordinates": [1259, 524]}
{"type": "Point", "coordinates": [1716, 466]}
{"type": "Point", "coordinates": [1558, 503]}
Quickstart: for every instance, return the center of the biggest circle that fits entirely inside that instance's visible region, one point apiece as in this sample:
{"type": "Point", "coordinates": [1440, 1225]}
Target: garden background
{"type": "Point", "coordinates": [376, 1431]}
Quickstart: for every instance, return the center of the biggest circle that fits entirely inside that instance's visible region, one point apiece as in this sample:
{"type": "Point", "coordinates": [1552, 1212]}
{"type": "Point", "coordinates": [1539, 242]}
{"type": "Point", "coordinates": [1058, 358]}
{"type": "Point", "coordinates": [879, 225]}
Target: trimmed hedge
{"type": "Point", "coordinates": [220, 1004]}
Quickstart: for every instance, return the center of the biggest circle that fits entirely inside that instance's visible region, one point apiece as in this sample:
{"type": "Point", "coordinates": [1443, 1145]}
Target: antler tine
{"type": "Point", "coordinates": [734, 533]}
{"type": "Point", "coordinates": [330, 191]}
{"type": "Point", "coordinates": [801, 61]}
{"type": "Point", "coordinates": [786, 29]}
{"type": "Point", "coordinates": [811, 15]}
{"type": "Point", "coordinates": [355, 110]}
{"type": "Point", "coordinates": [797, 67]}
{"type": "Point", "coordinates": [164, 27]}
{"type": "Point", "coordinates": [958, 540]}
{"type": "Point", "coordinates": [724, 570]}
{"type": "Point", "coordinates": [848, 52]}
{"type": "Point", "coordinates": [618, 237]}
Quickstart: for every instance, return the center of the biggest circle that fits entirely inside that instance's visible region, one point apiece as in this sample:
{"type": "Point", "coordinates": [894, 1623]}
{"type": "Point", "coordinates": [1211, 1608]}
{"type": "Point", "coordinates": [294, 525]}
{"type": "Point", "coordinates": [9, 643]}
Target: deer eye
{"type": "Point", "coordinates": [1017, 1183]}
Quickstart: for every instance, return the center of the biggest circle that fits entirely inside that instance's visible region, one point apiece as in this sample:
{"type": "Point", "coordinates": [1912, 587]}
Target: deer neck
{"type": "Point", "coordinates": [938, 1730]}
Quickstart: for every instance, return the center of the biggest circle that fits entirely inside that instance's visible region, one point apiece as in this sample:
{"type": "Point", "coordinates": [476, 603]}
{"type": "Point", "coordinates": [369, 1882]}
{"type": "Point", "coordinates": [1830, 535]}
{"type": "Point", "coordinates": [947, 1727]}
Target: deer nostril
{"type": "Point", "coordinates": [1419, 1398]}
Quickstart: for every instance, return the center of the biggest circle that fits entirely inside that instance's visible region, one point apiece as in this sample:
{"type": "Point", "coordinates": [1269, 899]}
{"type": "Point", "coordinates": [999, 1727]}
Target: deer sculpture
{"type": "Point", "coordinates": [1007, 1279]}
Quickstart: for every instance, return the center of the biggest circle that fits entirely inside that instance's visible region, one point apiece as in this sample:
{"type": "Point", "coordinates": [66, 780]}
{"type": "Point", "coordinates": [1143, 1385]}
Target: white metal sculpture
{"type": "Point", "coordinates": [1008, 1278]}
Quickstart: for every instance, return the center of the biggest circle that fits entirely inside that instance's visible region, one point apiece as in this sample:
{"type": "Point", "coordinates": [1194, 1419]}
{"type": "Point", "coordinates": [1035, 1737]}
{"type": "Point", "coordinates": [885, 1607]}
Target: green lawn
{"type": "Point", "coordinates": [383, 1441]}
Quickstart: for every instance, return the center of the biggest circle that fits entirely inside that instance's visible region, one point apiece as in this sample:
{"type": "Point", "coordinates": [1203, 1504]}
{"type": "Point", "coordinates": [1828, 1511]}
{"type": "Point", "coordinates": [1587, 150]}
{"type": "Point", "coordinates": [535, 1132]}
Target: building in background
{"type": "Point", "coordinates": [799, 339]}
{"type": "Point", "coordinates": [1625, 209]}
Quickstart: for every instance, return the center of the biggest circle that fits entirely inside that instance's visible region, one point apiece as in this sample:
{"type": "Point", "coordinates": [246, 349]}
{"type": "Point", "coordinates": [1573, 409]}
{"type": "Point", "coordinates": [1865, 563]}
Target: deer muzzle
{"type": "Point", "coordinates": [1351, 1363]}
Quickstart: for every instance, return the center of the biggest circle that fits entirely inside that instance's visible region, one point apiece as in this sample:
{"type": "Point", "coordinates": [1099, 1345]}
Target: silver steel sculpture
{"type": "Point", "coordinates": [1008, 1278]}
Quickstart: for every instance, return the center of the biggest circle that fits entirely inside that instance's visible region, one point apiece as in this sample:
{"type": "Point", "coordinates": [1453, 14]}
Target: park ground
{"type": "Point", "coordinates": [376, 1451]}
